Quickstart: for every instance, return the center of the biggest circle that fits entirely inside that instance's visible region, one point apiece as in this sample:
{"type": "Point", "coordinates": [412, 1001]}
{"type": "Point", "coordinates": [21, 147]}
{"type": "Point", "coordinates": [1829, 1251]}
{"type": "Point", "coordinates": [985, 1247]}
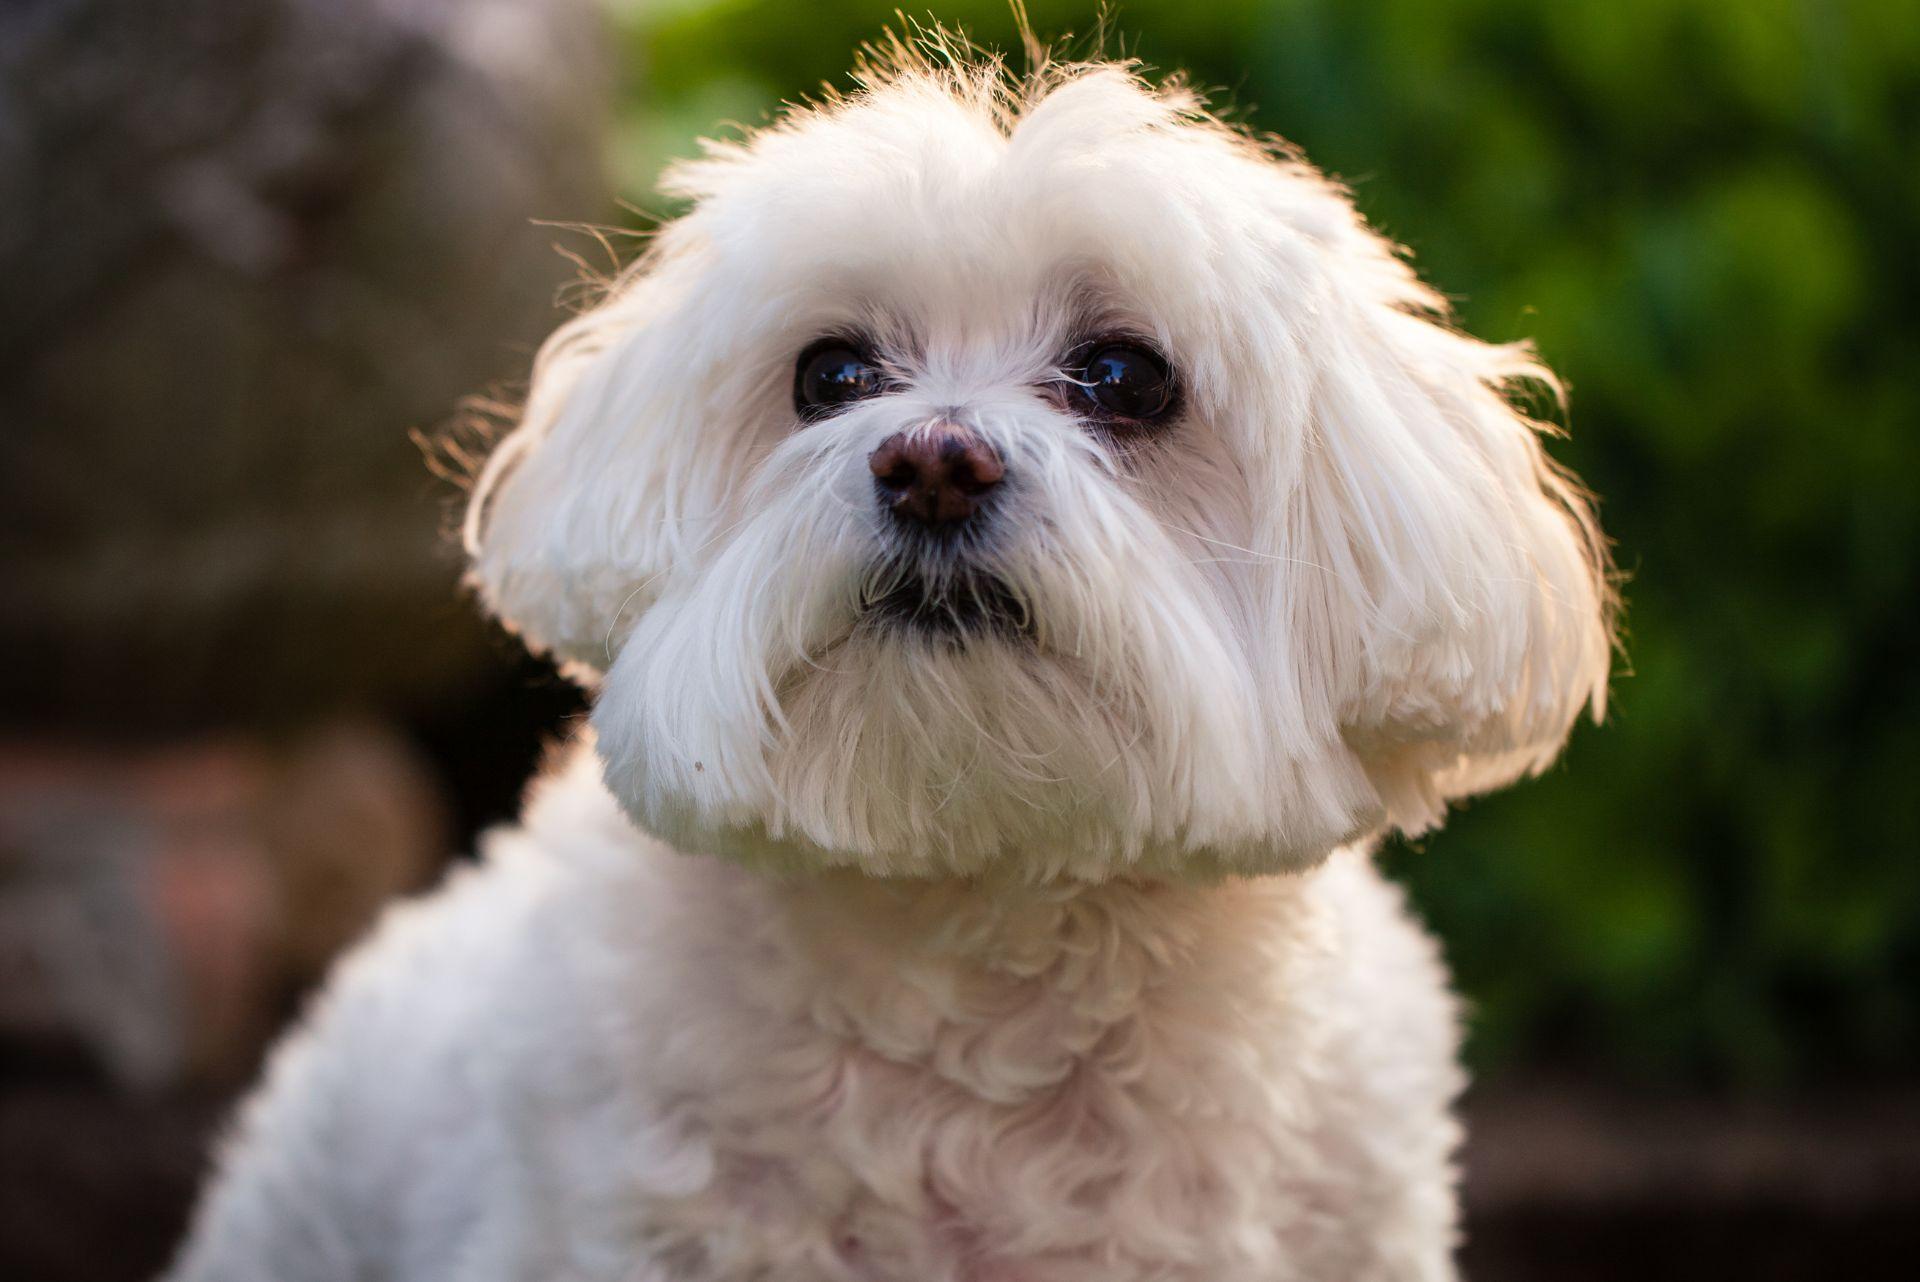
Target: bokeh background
{"type": "Point", "coordinates": [256, 252]}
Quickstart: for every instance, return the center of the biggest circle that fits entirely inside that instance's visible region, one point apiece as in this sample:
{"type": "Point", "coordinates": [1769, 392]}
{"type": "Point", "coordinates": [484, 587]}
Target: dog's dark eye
{"type": "Point", "coordinates": [832, 373]}
{"type": "Point", "coordinates": [1125, 381]}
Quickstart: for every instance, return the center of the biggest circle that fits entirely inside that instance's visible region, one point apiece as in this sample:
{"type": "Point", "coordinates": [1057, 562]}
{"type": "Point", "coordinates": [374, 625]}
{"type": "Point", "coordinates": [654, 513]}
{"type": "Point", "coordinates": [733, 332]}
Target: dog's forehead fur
{"type": "Point", "coordinates": [934, 203]}
{"type": "Point", "coordinates": [1345, 586]}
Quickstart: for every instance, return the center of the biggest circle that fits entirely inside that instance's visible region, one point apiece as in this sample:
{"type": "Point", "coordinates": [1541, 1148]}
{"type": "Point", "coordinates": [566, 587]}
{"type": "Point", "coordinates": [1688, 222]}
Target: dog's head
{"type": "Point", "coordinates": [1038, 474]}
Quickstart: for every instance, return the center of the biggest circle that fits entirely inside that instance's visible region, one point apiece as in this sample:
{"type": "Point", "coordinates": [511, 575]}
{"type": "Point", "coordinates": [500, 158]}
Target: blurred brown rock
{"type": "Point", "coordinates": [246, 246]}
{"type": "Point", "coordinates": [160, 910]}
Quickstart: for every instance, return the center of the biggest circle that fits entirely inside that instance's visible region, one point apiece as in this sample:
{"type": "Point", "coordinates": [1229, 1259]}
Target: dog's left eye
{"type": "Point", "coordinates": [1124, 380]}
{"type": "Point", "coordinates": [832, 373]}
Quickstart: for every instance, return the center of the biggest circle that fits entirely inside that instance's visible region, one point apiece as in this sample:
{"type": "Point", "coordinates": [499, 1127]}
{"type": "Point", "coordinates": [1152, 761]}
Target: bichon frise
{"type": "Point", "coordinates": [1026, 539]}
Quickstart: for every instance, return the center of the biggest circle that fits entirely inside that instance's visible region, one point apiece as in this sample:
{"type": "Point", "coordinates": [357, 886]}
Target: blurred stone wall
{"type": "Point", "coordinates": [162, 911]}
{"type": "Point", "coordinates": [247, 247]}
{"type": "Point", "coordinates": [250, 251]}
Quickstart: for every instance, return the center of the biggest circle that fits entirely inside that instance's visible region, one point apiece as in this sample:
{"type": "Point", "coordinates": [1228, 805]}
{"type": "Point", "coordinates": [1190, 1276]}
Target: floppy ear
{"type": "Point", "coordinates": [580, 511]}
{"type": "Point", "coordinates": [1457, 586]}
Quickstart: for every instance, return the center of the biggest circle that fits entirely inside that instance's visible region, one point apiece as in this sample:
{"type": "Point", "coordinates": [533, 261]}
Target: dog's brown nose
{"type": "Point", "coordinates": [935, 475]}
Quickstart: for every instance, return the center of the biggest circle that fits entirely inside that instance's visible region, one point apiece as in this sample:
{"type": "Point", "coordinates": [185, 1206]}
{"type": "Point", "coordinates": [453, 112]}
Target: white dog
{"type": "Point", "coordinates": [1037, 536]}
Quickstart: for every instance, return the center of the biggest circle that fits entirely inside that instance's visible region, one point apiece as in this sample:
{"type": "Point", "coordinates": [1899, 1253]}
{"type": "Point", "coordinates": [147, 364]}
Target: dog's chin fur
{"type": "Point", "coordinates": [978, 754]}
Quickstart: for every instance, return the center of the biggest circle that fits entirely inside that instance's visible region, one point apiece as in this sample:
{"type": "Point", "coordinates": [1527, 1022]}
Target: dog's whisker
{"type": "Point", "coordinates": [1255, 556]}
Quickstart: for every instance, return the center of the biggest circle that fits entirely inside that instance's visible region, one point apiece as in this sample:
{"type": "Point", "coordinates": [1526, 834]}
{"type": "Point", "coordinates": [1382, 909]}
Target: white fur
{"type": "Point", "coordinates": [1028, 959]}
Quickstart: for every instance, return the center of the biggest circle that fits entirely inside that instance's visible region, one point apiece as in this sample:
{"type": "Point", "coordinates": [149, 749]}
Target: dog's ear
{"type": "Point", "coordinates": [1447, 586]}
{"type": "Point", "coordinates": [579, 511]}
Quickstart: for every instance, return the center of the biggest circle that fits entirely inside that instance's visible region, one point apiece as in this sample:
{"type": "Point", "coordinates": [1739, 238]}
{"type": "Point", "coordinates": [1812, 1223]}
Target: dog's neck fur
{"type": "Point", "coordinates": [1049, 975]}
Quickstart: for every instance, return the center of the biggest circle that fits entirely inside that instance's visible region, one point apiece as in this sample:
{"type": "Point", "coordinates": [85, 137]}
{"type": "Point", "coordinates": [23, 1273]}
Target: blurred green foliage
{"type": "Point", "coordinates": [1705, 212]}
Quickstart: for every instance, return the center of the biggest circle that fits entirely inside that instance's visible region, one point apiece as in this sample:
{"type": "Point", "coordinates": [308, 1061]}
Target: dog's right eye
{"type": "Point", "coordinates": [1128, 382]}
{"type": "Point", "coordinates": [832, 373]}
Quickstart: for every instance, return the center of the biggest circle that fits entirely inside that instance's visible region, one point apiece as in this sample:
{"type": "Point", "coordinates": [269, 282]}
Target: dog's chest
{"type": "Point", "coordinates": [1101, 1167]}
{"type": "Point", "coordinates": [1080, 1109]}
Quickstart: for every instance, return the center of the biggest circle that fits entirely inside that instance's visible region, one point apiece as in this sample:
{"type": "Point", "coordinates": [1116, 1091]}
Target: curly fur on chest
{"type": "Point", "coordinates": [950, 1080]}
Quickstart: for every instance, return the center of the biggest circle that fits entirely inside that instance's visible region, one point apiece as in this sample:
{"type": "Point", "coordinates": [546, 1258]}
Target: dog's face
{"type": "Point", "coordinates": [1072, 486]}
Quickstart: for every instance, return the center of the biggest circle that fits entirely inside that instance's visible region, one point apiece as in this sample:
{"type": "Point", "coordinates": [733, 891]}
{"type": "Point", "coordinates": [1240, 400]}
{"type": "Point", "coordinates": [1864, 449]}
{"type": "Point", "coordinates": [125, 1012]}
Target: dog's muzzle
{"type": "Point", "coordinates": [936, 485]}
